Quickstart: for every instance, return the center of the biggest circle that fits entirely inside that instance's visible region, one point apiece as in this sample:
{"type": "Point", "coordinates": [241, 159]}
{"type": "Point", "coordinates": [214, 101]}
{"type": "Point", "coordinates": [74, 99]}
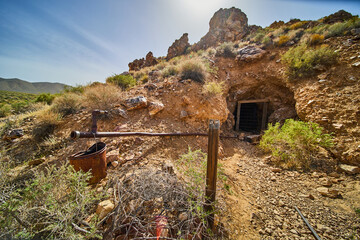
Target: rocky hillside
{"type": "Point", "coordinates": [303, 70]}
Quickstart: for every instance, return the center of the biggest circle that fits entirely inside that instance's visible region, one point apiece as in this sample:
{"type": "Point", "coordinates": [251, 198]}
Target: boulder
{"type": "Point", "coordinates": [349, 169]}
{"type": "Point", "coordinates": [112, 156]}
{"type": "Point", "coordinates": [250, 53]}
{"type": "Point", "coordinates": [326, 192]}
{"type": "Point", "coordinates": [281, 114]}
{"type": "Point", "coordinates": [104, 208]}
{"type": "Point", "coordinates": [226, 25]}
{"type": "Point", "coordinates": [178, 47]}
{"type": "Point", "coordinates": [155, 107]}
{"type": "Point", "coordinates": [136, 103]}
{"type": "Point", "coordinates": [13, 134]}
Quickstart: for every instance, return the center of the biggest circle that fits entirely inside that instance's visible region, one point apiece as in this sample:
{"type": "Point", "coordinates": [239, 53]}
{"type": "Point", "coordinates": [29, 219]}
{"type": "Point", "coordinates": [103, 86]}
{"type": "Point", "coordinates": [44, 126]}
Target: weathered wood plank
{"type": "Point", "coordinates": [211, 173]}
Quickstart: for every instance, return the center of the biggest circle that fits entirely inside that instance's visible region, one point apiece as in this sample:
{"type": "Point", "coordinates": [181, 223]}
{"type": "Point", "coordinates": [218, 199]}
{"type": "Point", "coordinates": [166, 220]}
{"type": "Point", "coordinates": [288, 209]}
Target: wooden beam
{"type": "Point", "coordinates": [211, 173]}
{"type": "Point", "coordinates": [264, 116]}
{"type": "Point", "coordinates": [237, 128]}
{"type": "Point", "coordinates": [254, 101]}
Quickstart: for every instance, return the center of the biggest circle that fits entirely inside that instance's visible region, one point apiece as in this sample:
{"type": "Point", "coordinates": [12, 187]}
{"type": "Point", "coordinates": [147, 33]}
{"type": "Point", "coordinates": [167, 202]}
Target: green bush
{"type": "Point", "coordinates": [45, 97]}
{"type": "Point", "coordinates": [66, 104]}
{"type": "Point", "coordinates": [5, 110]}
{"type": "Point", "coordinates": [49, 206]}
{"type": "Point", "coordinates": [169, 71]}
{"type": "Point", "coordinates": [295, 144]}
{"type": "Point", "coordinates": [76, 89]}
{"type": "Point", "coordinates": [194, 70]}
{"type": "Point", "coordinates": [301, 60]}
{"type": "Point", "coordinates": [225, 50]}
{"type": "Point", "coordinates": [20, 106]}
{"type": "Point", "coordinates": [342, 28]}
{"type": "Point", "coordinates": [123, 81]}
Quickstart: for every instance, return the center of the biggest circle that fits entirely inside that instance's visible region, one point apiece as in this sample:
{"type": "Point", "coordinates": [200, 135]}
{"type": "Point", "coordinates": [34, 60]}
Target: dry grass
{"type": "Point", "coordinates": [193, 69]}
{"type": "Point", "coordinates": [144, 196]}
{"type": "Point", "coordinates": [213, 88]}
{"type": "Point", "coordinates": [101, 96]}
{"type": "Point", "coordinates": [46, 123]}
{"type": "Point", "coordinates": [284, 39]}
{"type": "Point", "coordinates": [67, 103]}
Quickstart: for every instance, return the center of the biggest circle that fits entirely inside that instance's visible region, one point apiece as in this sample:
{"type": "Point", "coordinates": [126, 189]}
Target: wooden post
{"type": "Point", "coordinates": [264, 116]}
{"type": "Point", "coordinates": [211, 173]}
{"type": "Point", "coordinates": [238, 117]}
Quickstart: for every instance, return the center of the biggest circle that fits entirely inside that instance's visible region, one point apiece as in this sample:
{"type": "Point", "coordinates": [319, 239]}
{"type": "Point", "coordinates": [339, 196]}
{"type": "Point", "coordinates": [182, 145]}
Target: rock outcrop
{"type": "Point", "coordinates": [137, 64]}
{"type": "Point", "coordinates": [178, 47]}
{"type": "Point", "coordinates": [226, 25]}
{"type": "Point", "coordinates": [339, 16]}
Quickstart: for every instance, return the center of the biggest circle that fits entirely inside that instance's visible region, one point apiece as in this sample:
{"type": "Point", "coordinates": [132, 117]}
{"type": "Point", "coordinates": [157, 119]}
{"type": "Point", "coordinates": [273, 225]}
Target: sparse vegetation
{"type": "Point", "coordinates": [49, 206]}
{"type": "Point", "coordinates": [5, 110]}
{"type": "Point", "coordinates": [170, 70]}
{"type": "Point", "coordinates": [225, 50]}
{"type": "Point", "coordinates": [213, 88]}
{"type": "Point", "coordinates": [46, 124]}
{"type": "Point", "coordinates": [298, 25]}
{"type": "Point", "coordinates": [123, 81]}
{"type": "Point", "coordinates": [316, 39]}
{"type": "Point", "coordinates": [194, 70]}
{"type": "Point", "coordinates": [301, 60]}
{"type": "Point", "coordinates": [77, 89]}
{"type": "Point", "coordinates": [101, 96]}
{"type": "Point", "coordinates": [66, 104]}
{"type": "Point", "coordinates": [284, 39]}
{"type": "Point", "coordinates": [295, 144]}
{"type": "Point", "coordinates": [45, 97]}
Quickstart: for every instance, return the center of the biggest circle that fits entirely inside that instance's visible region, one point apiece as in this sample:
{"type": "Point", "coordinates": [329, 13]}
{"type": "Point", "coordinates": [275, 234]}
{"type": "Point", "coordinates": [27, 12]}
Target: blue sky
{"type": "Point", "coordinates": [78, 42]}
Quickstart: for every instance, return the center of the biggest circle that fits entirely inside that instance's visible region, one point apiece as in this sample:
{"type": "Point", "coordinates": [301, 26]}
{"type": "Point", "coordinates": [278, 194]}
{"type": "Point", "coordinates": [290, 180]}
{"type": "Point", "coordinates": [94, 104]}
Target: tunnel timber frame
{"type": "Point", "coordinates": [265, 103]}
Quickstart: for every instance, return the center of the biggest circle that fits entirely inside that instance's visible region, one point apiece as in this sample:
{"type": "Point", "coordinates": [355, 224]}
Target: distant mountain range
{"type": "Point", "coordinates": [18, 85]}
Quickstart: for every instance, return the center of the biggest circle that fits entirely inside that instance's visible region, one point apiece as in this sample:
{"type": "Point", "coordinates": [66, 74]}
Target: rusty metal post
{"type": "Point", "coordinates": [211, 173]}
{"type": "Point", "coordinates": [94, 115]}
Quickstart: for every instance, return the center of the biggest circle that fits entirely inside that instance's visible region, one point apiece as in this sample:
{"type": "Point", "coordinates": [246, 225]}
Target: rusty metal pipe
{"type": "Point", "coordinates": [77, 134]}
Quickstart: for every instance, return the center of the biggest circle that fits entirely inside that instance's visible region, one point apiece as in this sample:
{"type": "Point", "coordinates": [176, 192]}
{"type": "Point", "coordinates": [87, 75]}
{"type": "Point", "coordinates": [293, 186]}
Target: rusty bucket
{"type": "Point", "coordinates": [93, 159]}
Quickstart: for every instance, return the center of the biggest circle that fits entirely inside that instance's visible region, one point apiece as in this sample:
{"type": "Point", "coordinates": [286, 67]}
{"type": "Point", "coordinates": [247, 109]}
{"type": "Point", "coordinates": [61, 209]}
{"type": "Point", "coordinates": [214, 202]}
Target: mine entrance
{"type": "Point", "coordinates": [251, 115]}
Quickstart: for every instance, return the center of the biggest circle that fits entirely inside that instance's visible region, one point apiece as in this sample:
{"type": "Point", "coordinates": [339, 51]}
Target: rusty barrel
{"type": "Point", "coordinates": [93, 159]}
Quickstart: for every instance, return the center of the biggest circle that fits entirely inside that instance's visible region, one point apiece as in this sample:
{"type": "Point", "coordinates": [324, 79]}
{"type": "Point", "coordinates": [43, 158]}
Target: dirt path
{"type": "Point", "coordinates": [263, 198]}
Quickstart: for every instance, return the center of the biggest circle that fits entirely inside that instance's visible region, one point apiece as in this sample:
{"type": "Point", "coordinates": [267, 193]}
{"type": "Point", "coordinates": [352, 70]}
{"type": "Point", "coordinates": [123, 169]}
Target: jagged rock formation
{"type": "Point", "coordinates": [178, 47]}
{"type": "Point", "coordinates": [339, 16]}
{"type": "Point", "coordinates": [137, 64]}
{"type": "Point", "coordinates": [226, 25]}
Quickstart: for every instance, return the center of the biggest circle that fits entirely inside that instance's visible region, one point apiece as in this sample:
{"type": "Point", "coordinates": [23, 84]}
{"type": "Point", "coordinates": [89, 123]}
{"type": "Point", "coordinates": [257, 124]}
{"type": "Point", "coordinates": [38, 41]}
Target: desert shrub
{"type": "Point", "coordinates": [266, 40]}
{"type": "Point", "coordinates": [259, 37]}
{"type": "Point", "coordinates": [278, 32]}
{"type": "Point", "coordinates": [213, 88]}
{"type": "Point", "coordinates": [33, 107]}
{"type": "Point", "coordinates": [46, 123]}
{"type": "Point", "coordinates": [284, 39]}
{"type": "Point", "coordinates": [101, 96]}
{"type": "Point", "coordinates": [301, 60]}
{"type": "Point", "coordinates": [45, 97]}
{"type": "Point", "coordinates": [295, 144]}
{"type": "Point", "coordinates": [49, 206]}
{"type": "Point", "coordinates": [342, 28]}
{"type": "Point", "coordinates": [161, 65]}
{"type": "Point", "coordinates": [76, 89]}
{"type": "Point", "coordinates": [194, 70]}
{"type": "Point", "coordinates": [170, 70]}
{"type": "Point", "coordinates": [297, 25]}
{"type": "Point", "coordinates": [20, 106]}
{"type": "Point", "coordinates": [316, 39]}
{"type": "Point", "coordinates": [225, 50]}
{"type": "Point", "coordinates": [5, 110]}
{"type": "Point", "coordinates": [144, 78]}
{"type": "Point", "coordinates": [123, 81]}
{"type": "Point", "coordinates": [67, 103]}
